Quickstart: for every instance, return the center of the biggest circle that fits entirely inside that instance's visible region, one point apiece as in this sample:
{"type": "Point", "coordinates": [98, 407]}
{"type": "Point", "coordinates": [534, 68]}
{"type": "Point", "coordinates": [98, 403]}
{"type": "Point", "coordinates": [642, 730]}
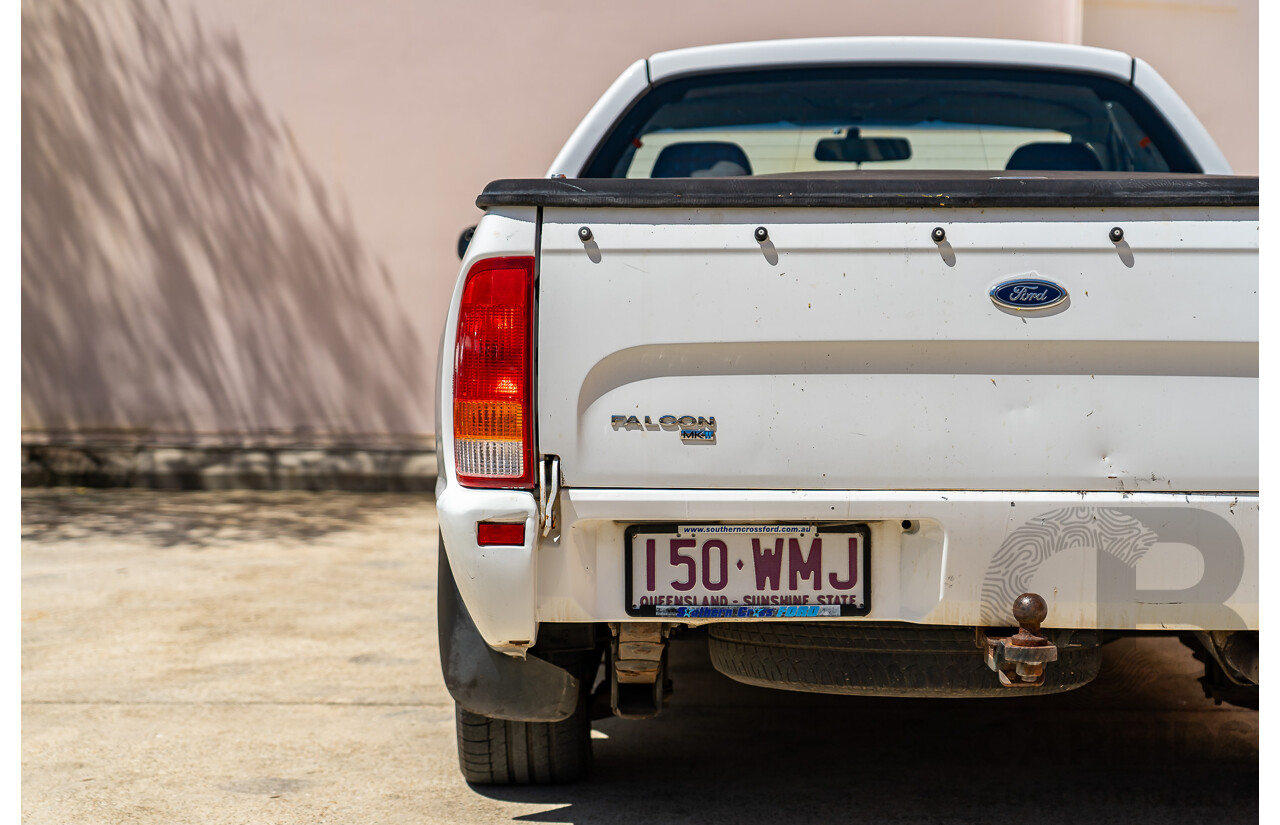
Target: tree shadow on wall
{"type": "Point", "coordinates": [183, 268]}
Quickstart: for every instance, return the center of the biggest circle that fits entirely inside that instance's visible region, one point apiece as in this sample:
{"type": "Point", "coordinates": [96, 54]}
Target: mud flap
{"type": "Point", "coordinates": [484, 681]}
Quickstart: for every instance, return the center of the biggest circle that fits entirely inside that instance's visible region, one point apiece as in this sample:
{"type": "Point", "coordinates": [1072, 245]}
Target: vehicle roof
{"type": "Point", "coordinates": [916, 50]}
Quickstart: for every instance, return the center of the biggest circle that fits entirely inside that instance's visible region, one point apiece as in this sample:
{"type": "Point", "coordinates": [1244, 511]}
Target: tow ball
{"type": "Point", "coordinates": [1020, 659]}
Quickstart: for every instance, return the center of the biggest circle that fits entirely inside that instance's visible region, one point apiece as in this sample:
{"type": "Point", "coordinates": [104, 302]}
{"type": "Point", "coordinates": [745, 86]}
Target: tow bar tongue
{"type": "Point", "coordinates": [1020, 659]}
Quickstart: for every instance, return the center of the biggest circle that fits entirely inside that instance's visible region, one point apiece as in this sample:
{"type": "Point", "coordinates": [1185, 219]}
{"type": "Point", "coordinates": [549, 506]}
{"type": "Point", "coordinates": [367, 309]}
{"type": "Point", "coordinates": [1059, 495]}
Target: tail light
{"type": "Point", "coordinates": [493, 375]}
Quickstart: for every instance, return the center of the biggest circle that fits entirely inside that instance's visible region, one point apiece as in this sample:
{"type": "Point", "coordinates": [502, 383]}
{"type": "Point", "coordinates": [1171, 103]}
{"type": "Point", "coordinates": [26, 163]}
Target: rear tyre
{"type": "Point", "coordinates": [502, 752]}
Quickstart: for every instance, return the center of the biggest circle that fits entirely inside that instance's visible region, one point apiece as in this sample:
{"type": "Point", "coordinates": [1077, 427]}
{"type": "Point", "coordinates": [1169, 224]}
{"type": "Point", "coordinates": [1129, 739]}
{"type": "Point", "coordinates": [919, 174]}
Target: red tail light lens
{"type": "Point", "coordinates": [493, 375]}
{"type": "Point", "coordinates": [491, 534]}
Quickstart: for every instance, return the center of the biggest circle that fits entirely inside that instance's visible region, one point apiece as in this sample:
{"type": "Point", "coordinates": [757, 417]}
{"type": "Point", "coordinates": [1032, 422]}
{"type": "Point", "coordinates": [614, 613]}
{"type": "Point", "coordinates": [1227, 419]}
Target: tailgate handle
{"type": "Point", "coordinates": [548, 491]}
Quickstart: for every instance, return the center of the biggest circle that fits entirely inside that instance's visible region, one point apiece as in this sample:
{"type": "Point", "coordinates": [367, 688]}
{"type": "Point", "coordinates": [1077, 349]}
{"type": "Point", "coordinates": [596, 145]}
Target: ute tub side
{"type": "Point", "coordinates": [496, 583]}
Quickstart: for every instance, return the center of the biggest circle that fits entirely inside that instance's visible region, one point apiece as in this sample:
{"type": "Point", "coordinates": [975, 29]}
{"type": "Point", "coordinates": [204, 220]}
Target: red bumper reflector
{"type": "Point", "coordinates": [490, 533]}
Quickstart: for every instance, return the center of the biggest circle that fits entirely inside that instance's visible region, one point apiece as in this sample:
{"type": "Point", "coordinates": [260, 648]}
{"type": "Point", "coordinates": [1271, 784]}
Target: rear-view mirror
{"type": "Point", "coordinates": [852, 148]}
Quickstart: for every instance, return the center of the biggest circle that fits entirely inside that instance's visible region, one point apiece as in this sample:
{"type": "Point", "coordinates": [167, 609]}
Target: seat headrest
{"type": "Point", "coordinates": [1054, 157]}
{"type": "Point", "coordinates": [704, 159]}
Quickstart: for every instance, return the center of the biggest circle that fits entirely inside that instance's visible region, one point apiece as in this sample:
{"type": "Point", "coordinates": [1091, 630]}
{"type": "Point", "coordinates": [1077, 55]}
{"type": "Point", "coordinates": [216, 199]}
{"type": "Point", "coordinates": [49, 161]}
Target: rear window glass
{"type": "Point", "coordinates": [811, 120]}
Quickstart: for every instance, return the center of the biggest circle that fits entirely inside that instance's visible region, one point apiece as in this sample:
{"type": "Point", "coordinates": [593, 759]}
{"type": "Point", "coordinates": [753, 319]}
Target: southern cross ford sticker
{"type": "Point", "coordinates": [791, 611]}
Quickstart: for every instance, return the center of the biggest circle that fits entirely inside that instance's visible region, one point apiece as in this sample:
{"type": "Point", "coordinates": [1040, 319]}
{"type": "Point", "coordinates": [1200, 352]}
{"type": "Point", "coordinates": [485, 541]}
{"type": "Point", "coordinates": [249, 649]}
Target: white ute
{"type": "Point", "coordinates": [896, 366]}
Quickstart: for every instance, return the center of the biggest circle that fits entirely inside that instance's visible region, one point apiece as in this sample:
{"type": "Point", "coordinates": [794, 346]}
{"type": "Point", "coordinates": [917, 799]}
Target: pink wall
{"type": "Point", "coordinates": [241, 217]}
{"type": "Point", "coordinates": [1207, 50]}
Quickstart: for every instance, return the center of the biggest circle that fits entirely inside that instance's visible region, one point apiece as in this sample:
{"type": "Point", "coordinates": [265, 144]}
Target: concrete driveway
{"type": "Point", "coordinates": [271, 658]}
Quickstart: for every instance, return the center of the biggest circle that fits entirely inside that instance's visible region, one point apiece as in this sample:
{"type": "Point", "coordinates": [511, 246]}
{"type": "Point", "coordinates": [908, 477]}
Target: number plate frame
{"type": "Point", "coordinates": [819, 529]}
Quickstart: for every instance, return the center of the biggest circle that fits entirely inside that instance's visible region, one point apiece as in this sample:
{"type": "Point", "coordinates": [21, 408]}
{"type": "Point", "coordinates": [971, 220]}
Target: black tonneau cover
{"type": "Point", "coordinates": [882, 189]}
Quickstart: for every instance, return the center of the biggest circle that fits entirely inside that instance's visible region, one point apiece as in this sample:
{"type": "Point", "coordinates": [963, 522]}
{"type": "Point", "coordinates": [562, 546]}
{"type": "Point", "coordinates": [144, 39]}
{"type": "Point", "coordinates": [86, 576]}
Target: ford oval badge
{"type": "Point", "coordinates": [1028, 295]}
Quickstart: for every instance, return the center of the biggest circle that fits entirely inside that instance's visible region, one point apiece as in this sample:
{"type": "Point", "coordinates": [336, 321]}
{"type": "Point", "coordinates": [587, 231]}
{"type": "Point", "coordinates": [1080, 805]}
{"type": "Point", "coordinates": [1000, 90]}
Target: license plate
{"type": "Point", "coordinates": [748, 571]}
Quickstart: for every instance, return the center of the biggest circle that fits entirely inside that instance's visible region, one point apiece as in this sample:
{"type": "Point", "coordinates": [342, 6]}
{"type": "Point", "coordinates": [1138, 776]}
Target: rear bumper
{"type": "Point", "coordinates": [1132, 561]}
